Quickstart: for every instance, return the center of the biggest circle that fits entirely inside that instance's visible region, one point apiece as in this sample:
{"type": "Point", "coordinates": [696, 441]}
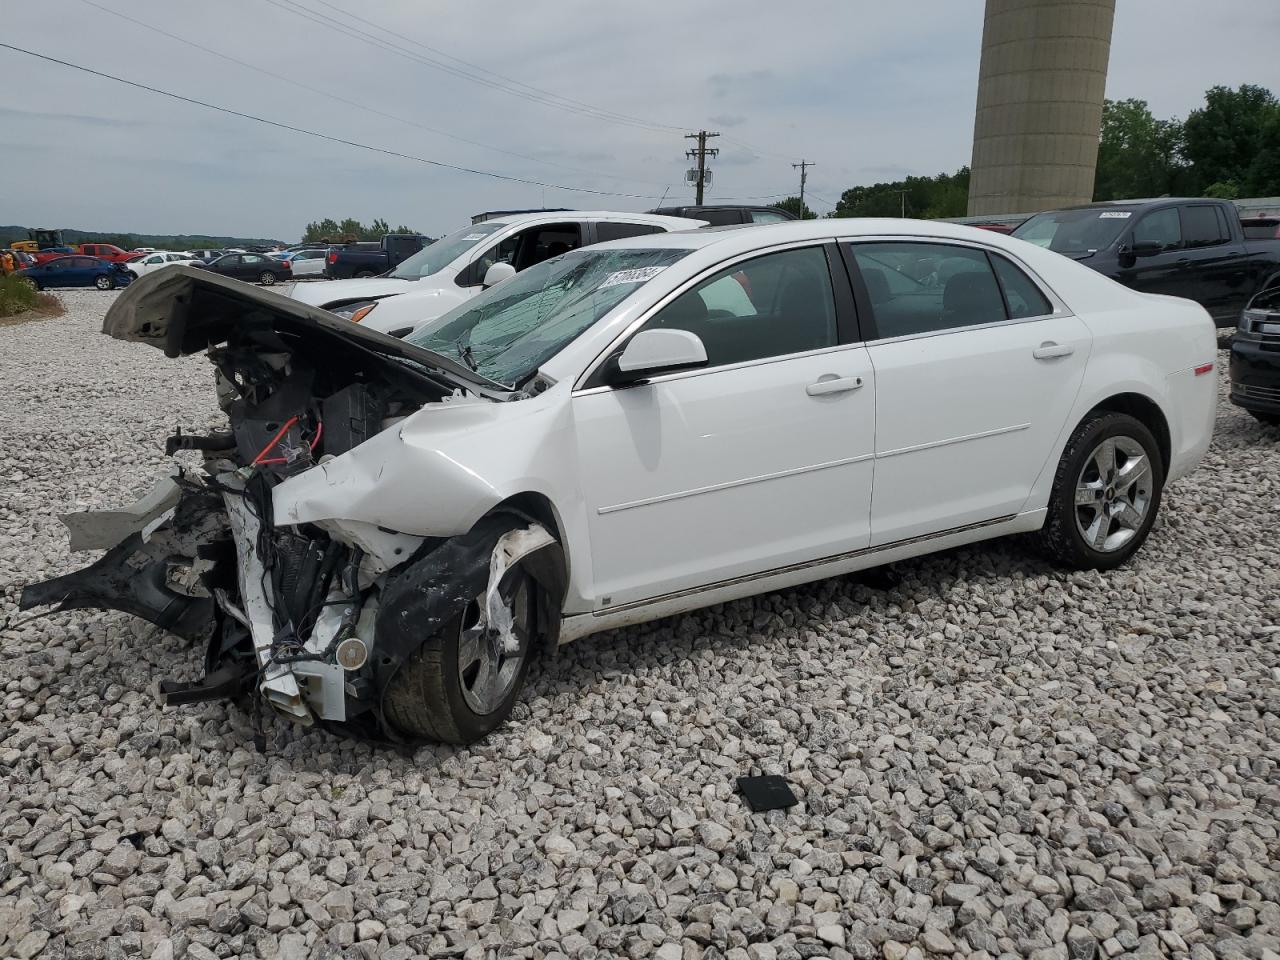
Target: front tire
{"type": "Point", "coordinates": [267, 279]}
{"type": "Point", "coordinates": [104, 283]}
{"type": "Point", "coordinates": [1106, 493]}
{"type": "Point", "coordinates": [461, 684]}
{"type": "Point", "coordinates": [1270, 419]}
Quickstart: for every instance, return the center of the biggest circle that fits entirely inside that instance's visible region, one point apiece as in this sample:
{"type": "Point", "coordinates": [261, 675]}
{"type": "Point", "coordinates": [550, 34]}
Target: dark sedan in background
{"type": "Point", "coordinates": [77, 272]}
{"type": "Point", "coordinates": [1255, 358]}
{"type": "Point", "coordinates": [252, 268]}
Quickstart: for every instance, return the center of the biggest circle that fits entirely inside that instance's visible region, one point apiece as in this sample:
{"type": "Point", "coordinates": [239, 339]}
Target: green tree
{"type": "Point", "coordinates": [330, 229]}
{"type": "Point", "coordinates": [792, 206]}
{"type": "Point", "coordinates": [1263, 176]}
{"type": "Point", "coordinates": [946, 195]}
{"type": "Point", "coordinates": [1138, 155]}
{"type": "Point", "coordinates": [1223, 138]}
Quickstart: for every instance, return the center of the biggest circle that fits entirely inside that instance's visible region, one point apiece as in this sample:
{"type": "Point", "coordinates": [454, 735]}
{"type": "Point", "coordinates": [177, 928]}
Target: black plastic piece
{"type": "Point", "coordinates": [351, 416]}
{"type": "Point", "coordinates": [769, 792]}
{"type": "Point", "coordinates": [227, 682]}
{"type": "Point", "coordinates": [222, 440]}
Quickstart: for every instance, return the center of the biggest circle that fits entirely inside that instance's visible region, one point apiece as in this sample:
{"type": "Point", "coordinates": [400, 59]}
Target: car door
{"type": "Point", "coordinates": [760, 460]}
{"type": "Point", "coordinates": [79, 271]}
{"type": "Point", "coordinates": [1215, 271]}
{"type": "Point", "coordinates": [153, 262]}
{"type": "Point", "coordinates": [976, 369]}
{"type": "Point", "coordinates": [1156, 242]}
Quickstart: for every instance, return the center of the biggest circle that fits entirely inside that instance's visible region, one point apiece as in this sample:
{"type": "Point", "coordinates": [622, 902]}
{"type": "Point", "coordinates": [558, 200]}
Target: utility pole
{"type": "Point", "coordinates": [700, 154]}
{"type": "Point", "coordinates": [804, 175]}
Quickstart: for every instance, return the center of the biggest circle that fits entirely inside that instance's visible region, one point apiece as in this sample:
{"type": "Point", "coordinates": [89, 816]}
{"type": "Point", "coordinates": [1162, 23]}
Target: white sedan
{"type": "Point", "coordinates": [160, 258]}
{"type": "Point", "coordinates": [630, 431]}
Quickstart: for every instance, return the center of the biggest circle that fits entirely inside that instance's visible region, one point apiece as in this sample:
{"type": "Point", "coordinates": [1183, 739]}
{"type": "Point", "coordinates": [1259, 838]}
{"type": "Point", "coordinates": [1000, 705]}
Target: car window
{"type": "Point", "coordinates": [155, 259]}
{"type": "Point", "coordinates": [918, 288]}
{"type": "Point", "coordinates": [176, 257]}
{"type": "Point", "coordinates": [718, 218]}
{"type": "Point", "coordinates": [772, 306]}
{"type": "Point", "coordinates": [1021, 295]}
{"type": "Point", "coordinates": [503, 252]}
{"type": "Point", "coordinates": [1160, 228]}
{"type": "Point", "coordinates": [252, 258]}
{"type": "Point", "coordinates": [436, 256]}
{"type": "Point", "coordinates": [768, 216]}
{"type": "Point", "coordinates": [84, 263]}
{"type": "Point", "coordinates": [612, 230]}
{"type": "Point", "coordinates": [544, 242]}
{"type": "Point", "coordinates": [508, 331]}
{"type": "Point", "coordinates": [1202, 226]}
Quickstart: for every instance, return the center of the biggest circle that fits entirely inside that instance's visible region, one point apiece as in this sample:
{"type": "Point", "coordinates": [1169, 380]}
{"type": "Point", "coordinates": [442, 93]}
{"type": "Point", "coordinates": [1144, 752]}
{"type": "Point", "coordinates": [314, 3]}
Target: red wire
{"type": "Point", "coordinates": [261, 458]}
{"type": "Point", "coordinates": [274, 440]}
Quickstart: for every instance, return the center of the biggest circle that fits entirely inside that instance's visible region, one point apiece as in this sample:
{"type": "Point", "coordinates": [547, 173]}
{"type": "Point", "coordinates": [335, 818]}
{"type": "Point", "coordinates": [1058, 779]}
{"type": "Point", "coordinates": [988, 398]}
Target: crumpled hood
{"type": "Point", "coordinates": [334, 291]}
{"type": "Point", "coordinates": [183, 310]}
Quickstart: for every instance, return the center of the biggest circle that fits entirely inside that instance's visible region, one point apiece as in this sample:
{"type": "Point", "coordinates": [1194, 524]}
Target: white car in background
{"type": "Point", "coordinates": [630, 431]}
{"type": "Point", "coordinates": [305, 263]}
{"type": "Point", "coordinates": [161, 258]}
{"type": "Point", "coordinates": [456, 267]}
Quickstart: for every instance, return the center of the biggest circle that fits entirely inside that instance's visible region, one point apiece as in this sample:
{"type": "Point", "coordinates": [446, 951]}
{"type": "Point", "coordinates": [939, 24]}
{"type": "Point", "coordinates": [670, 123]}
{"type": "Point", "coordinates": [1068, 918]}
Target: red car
{"type": "Point", "coordinates": [106, 251]}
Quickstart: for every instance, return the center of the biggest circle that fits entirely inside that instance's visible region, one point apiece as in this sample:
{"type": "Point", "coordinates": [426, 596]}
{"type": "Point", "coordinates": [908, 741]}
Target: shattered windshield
{"type": "Point", "coordinates": [510, 330]}
{"type": "Point", "coordinates": [1074, 231]}
{"type": "Point", "coordinates": [436, 256]}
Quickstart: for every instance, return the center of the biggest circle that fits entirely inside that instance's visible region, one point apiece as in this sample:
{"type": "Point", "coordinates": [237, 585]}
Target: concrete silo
{"type": "Point", "coordinates": [1040, 91]}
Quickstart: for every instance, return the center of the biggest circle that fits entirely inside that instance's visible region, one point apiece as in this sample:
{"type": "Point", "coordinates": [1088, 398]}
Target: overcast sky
{"type": "Point", "coordinates": [871, 91]}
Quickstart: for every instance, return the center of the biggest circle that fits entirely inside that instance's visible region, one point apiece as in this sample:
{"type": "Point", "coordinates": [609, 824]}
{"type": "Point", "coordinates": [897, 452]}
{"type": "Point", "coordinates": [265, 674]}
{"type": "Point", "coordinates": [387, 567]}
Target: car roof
{"type": "Point", "coordinates": [746, 237]}
{"type": "Point", "coordinates": [560, 216]}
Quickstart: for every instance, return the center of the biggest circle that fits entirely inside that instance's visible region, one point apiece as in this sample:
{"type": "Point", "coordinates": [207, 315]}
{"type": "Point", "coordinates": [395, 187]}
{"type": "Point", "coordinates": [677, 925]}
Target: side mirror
{"type": "Point", "coordinates": [497, 273]}
{"type": "Point", "coordinates": [656, 351]}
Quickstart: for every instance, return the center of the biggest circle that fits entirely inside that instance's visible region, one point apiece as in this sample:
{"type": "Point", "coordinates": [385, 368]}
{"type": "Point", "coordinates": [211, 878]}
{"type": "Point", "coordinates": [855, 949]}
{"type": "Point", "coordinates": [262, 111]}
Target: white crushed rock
{"type": "Point", "coordinates": [994, 759]}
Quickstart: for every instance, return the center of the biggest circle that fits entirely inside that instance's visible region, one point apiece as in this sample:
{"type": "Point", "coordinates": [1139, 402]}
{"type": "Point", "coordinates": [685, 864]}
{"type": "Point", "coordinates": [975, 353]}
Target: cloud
{"type": "Point", "coordinates": [868, 95]}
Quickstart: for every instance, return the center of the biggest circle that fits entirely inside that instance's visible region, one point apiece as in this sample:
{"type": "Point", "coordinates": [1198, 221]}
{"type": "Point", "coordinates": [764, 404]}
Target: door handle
{"type": "Point", "coordinates": [830, 383]}
{"type": "Point", "coordinates": [1049, 350]}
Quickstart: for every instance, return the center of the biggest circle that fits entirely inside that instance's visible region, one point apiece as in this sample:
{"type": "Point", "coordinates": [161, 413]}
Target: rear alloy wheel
{"type": "Point", "coordinates": [462, 683]}
{"type": "Point", "coordinates": [105, 282]}
{"type": "Point", "coordinates": [1106, 493]}
{"type": "Point", "coordinates": [267, 279]}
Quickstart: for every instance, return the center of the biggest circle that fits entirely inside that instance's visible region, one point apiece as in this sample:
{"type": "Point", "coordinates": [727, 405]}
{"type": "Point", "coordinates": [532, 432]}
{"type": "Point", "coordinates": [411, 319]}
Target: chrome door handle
{"type": "Point", "coordinates": [1048, 350]}
{"type": "Point", "coordinates": [833, 384]}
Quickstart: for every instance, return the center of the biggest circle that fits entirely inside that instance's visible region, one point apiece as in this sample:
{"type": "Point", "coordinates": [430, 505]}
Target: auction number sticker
{"type": "Point", "coordinates": [1115, 215]}
{"type": "Point", "coordinates": [639, 275]}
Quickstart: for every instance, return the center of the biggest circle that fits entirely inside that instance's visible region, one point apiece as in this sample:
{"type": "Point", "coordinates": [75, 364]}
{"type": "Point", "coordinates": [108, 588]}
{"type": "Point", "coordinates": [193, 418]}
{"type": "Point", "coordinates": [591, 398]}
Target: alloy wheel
{"type": "Point", "coordinates": [487, 672]}
{"type": "Point", "coordinates": [1113, 494]}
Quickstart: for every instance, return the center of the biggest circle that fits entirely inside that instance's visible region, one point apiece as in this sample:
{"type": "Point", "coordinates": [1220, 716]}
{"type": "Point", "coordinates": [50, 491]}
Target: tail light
{"type": "Point", "coordinates": [332, 257]}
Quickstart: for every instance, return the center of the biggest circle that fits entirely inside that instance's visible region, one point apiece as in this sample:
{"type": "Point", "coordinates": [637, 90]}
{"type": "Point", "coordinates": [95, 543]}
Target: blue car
{"type": "Point", "coordinates": [77, 272]}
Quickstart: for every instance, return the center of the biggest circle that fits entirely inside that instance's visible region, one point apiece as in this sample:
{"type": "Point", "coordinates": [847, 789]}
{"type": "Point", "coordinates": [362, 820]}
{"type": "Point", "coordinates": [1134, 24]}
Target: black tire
{"type": "Point", "coordinates": [426, 699]}
{"type": "Point", "coordinates": [133, 275]}
{"type": "Point", "coordinates": [362, 274]}
{"type": "Point", "coordinates": [105, 282]}
{"type": "Point", "coordinates": [1270, 419]}
{"type": "Point", "coordinates": [1061, 538]}
{"type": "Point", "coordinates": [267, 279]}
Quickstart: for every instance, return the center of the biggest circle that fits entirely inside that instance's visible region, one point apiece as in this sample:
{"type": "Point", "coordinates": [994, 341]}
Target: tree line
{"type": "Point", "coordinates": [1227, 148]}
{"type": "Point", "coordinates": [330, 229]}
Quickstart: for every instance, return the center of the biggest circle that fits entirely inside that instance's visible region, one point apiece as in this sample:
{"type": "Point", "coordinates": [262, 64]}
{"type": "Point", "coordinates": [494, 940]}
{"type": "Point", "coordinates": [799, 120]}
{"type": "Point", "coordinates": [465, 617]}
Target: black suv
{"type": "Point", "coordinates": [721, 214]}
{"type": "Point", "coordinates": [1255, 358]}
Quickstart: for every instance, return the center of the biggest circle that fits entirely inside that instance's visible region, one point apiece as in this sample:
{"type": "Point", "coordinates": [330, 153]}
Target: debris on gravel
{"type": "Point", "coordinates": [993, 758]}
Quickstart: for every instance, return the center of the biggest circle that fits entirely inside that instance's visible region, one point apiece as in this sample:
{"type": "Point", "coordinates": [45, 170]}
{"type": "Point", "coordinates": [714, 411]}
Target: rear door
{"type": "Point", "coordinates": [1216, 272]}
{"type": "Point", "coordinates": [976, 369]}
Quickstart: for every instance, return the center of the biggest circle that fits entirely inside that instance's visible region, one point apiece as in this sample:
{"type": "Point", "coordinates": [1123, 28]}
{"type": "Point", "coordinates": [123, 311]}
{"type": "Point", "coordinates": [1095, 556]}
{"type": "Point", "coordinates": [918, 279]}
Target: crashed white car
{"type": "Point", "coordinates": [390, 529]}
{"type": "Point", "coordinates": [455, 268]}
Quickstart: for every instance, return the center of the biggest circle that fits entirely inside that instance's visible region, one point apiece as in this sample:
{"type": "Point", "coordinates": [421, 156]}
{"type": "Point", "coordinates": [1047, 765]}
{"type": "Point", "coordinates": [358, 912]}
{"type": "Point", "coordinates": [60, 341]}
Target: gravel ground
{"type": "Point", "coordinates": [994, 758]}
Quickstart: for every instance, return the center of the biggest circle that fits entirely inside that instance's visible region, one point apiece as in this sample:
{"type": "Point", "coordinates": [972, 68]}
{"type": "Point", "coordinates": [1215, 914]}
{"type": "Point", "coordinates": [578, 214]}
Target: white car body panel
{"type": "Point", "coordinates": [310, 266]}
{"type": "Point", "coordinates": [419, 301]}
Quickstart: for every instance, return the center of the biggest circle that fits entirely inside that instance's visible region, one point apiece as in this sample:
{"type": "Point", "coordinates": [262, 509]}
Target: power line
{"type": "Point", "coordinates": [757, 151]}
{"type": "Point", "coordinates": [292, 6]}
{"type": "Point", "coordinates": [352, 103]}
{"type": "Point", "coordinates": [323, 136]}
{"type": "Point", "coordinates": [492, 73]}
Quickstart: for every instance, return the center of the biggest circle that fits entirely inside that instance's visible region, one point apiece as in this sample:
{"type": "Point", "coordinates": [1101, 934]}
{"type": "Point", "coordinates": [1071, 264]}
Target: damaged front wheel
{"type": "Point", "coordinates": [463, 681]}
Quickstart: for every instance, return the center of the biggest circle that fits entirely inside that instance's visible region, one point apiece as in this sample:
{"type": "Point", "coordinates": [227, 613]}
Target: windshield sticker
{"type": "Point", "coordinates": [639, 275]}
{"type": "Point", "coordinates": [1115, 215]}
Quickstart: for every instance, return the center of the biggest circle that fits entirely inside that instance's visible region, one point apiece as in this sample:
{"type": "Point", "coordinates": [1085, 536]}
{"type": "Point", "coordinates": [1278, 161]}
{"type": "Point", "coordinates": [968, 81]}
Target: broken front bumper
{"type": "Point", "coordinates": [314, 619]}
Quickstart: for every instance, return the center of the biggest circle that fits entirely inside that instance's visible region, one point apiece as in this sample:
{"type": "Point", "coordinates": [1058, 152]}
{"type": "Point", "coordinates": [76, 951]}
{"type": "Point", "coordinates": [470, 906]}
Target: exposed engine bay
{"type": "Point", "coordinates": [316, 617]}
